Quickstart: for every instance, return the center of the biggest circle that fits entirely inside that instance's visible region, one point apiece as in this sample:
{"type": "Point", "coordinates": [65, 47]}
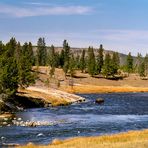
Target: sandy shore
{"type": "Point", "coordinates": [132, 139]}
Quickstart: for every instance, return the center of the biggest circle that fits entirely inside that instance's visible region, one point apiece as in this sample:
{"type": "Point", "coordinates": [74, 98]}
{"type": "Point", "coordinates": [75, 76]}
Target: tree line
{"type": "Point", "coordinates": [16, 63]}
{"type": "Point", "coordinates": [87, 61]}
{"type": "Point", "coordinates": [15, 66]}
{"type": "Point", "coordinates": [104, 63]}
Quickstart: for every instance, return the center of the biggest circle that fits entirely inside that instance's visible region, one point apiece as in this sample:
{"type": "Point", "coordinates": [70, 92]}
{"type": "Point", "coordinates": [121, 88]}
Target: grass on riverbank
{"type": "Point", "coordinates": [84, 83]}
{"type": "Point", "coordinates": [132, 139]}
{"type": "Point", "coordinates": [103, 89]}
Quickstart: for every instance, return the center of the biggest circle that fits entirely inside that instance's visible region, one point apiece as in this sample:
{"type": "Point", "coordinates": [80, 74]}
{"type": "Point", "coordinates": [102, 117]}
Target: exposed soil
{"type": "Point", "coordinates": [83, 83]}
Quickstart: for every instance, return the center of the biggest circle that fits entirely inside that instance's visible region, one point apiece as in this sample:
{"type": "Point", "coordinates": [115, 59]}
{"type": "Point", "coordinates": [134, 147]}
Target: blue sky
{"type": "Point", "coordinates": [120, 25]}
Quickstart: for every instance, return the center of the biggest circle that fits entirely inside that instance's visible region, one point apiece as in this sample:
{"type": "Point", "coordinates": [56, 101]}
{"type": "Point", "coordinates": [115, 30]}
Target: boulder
{"type": "Point", "coordinates": [99, 101]}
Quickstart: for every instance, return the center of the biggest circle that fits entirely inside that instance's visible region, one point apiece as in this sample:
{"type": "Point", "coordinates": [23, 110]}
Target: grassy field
{"type": "Point", "coordinates": [132, 139]}
{"type": "Point", "coordinates": [102, 89]}
{"type": "Point", "coordinates": [83, 83]}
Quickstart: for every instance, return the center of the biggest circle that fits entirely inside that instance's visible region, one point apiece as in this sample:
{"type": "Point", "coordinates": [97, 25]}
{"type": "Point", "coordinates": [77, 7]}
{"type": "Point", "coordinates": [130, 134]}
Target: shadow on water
{"type": "Point", "coordinates": [120, 112]}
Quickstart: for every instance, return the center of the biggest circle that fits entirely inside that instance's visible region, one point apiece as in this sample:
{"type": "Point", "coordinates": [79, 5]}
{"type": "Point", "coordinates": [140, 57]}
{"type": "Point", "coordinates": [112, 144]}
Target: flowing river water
{"type": "Point", "coordinates": [119, 113]}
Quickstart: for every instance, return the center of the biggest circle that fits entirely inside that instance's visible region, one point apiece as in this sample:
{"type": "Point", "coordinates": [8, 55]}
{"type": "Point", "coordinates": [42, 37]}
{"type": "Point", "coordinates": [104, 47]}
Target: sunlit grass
{"type": "Point", "coordinates": [103, 89]}
{"type": "Point", "coordinates": [132, 139]}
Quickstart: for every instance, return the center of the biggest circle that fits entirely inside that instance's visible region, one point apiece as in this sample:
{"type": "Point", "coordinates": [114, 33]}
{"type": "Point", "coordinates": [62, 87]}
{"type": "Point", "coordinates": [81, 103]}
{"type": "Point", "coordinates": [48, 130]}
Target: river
{"type": "Point", "coordinates": [119, 113]}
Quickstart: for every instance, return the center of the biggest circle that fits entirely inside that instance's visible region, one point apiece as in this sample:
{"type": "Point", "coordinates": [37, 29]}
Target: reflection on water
{"type": "Point", "coordinates": [120, 112]}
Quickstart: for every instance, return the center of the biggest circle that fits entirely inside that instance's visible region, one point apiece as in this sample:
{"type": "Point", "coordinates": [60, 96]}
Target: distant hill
{"type": "Point", "coordinates": [78, 51]}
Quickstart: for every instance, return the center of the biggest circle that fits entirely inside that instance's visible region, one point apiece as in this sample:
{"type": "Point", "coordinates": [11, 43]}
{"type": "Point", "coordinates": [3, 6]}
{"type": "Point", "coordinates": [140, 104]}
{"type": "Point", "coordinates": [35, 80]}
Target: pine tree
{"type": "Point", "coordinates": [18, 52]}
{"type": "Point", "coordinates": [107, 66]}
{"type": "Point", "coordinates": [111, 65]}
{"type": "Point", "coordinates": [41, 52]}
{"type": "Point", "coordinates": [26, 76]}
{"type": "Point", "coordinates": [115, 63]}
{"type": "Point", "coordinates": [82, 61]}
{"type": "Point", "coordinates": [57, 59]}
{"type": "Point", "coordinates": [61, 59]}
{"type": "Point", "coordinates": [140, 65]}
{"type": "Point", "coordinates": [25, 51]}
{"type": "Point", "coordinates": [100, 59]}
{"type": "Point", "coordinates": [91, 62]}
{"type": "Point", "coordinates": [66, 49]}
{"type": "Point", "coordinates": [67, 53]}
{"type": "Point", "coordinates": [139, 61]}
{"type": "Point", "coordinates": [52, 60]}
{"type": "Point", "coordinates": [72, 66]}
{"type": "Point", "coordinates": [52, 56]}
{"type": "Point", "coordinates": [66, 67]}
{"type": "Point", "coordinates": [1, 48]}
{"type": "Point", "coordinates": [8, 69]}
{"type": "Point", "coordinates": [77, 61]}
{"type": "Point", "coordinates": [146, 64]}
{"type": "Point", "coordinates": [8, 75]}
{"type": "Point", "coordinates": [10, 47]}
{"type": "Point", "coordinates": [31, 54]}
{"type": "Point", "coordinates": [15, 67]}
{"type": "Point", "coordinates": [142, 69]}
{"type": "Point", "coordinates": [129, 63]}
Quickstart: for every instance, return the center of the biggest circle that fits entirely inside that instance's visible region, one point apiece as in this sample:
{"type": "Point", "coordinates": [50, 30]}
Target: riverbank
{"type": "Point", "coordinates": [6, 115]}
{"type": "Point", "coordinates": [132, 139]}
{"type": "Point", "coordinates": [103, 89]}
{"type": "Point", "coordinates": [51, 97]}
{"type": "Point", "coordinates": [33, 97]}
{"type": "Point", "coordinates": [44, 94]}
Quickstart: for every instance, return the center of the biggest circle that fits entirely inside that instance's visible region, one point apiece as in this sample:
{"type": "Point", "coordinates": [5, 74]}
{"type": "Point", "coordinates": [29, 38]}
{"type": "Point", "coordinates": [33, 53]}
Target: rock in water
{"type": "Point", "coordinates": [99, 101]}
{"type": "Point", "coordinates": [3, 139]}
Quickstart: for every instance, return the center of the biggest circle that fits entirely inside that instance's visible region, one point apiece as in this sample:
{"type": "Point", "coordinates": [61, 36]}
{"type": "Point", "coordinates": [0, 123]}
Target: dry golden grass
{"type": "Point", "coordinates": [84, 83]}
{"type": "Point", "coordinates": [132, 139]}
{"type": "Point", "coordinates": [103, 89]}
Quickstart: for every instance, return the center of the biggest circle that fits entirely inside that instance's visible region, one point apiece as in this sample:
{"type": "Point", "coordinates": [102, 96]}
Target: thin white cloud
{"type": "Point", "coordinates": [35, 3]}
{"type": "Point", "coordinates": [19, 12]}
{"type": "Point", "coordinates": [124, 35]}
{"type": "Point", "coordinates": [124, 40]}
{"type": "Point", "coordinates": [38, 4]}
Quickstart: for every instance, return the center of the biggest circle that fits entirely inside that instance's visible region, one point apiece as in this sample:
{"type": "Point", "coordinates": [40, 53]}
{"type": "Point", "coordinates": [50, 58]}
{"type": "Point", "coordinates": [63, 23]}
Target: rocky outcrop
{"type": "Point", "coordinates": [52, 97]}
